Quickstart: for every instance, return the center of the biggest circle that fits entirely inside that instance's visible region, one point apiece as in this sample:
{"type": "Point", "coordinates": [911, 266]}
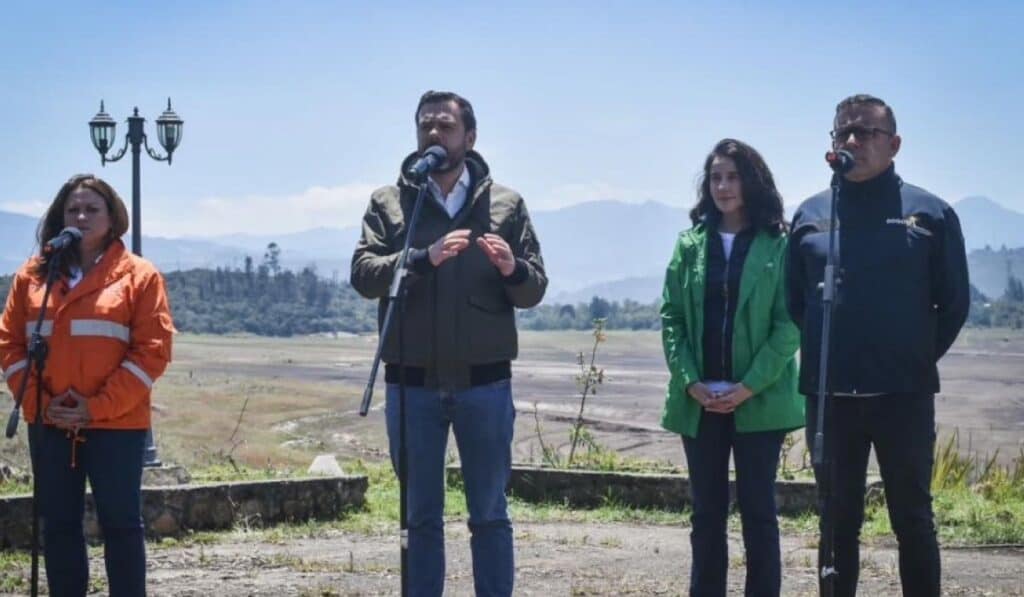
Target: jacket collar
{"type": "Point", "coordinates": [881, 185]}
{"type": "Point", "coordinates": [479, 172]}
{"type": "Point", "coordinates": [479, 177]}
{"type": "Point", "coordinates": [760, 258]}
{"type": "Point", "coordinates": [110, 269]}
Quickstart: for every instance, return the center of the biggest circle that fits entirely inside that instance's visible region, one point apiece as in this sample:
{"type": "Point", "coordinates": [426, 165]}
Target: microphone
{"type": "Point", "coordinates": [67, 237]}
{"type": "Point", "coordinates": [12, 421]}
{"type": "Point", "coordinates": [840, 161]}
{"type": "Point", "coordinates": [432, 157]}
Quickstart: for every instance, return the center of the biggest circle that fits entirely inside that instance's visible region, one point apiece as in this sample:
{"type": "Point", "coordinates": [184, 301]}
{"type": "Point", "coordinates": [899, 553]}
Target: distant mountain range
{"type": "Point", "coordinates": [993, 234]}
{"type": "Point", "coordinates": [611, 249]}
{"type": "Point", "coordinates": [989, 224]}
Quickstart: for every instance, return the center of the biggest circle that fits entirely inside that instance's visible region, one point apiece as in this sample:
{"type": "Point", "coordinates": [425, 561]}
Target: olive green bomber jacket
{"type": "Point", "coordinates": [460, 313]}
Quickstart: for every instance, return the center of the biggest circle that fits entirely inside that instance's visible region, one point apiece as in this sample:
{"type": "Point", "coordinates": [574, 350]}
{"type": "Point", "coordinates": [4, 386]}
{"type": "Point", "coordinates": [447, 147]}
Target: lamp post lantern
{"type": "Point", "coordinates": [102, 130]}
{"type": "Point", "coordinates": [168, 130]}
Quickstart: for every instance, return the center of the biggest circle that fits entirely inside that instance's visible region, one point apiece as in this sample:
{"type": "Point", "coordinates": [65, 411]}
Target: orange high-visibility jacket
{"type": "Point", "coordinates": [109, 338]}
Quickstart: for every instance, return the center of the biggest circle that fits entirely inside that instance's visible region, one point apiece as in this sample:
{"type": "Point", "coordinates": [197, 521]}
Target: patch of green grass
{"type": "Point", "coordinates": [976, 501]}
{"type": "Point", "coordinates": [380, 514]}
{"type": "Point", "coordinates": [608, 513]}
{"type": "Point", "coordinates": [12, 487]}
{"type": "Point", "coordinates": [803, 523]}
{"type": "Point", "coordinates": [190, 539]}
{"type": "Point", "coordinates": [15, 567]}
{"type": "Point", "coordinates": [598, 458]}
{"type": "Point", "coordinates": [16, 572]}
{"type": "Point", "coordinates": [963, 516]}
{"type": "Point", "coordinates": [223, 473]}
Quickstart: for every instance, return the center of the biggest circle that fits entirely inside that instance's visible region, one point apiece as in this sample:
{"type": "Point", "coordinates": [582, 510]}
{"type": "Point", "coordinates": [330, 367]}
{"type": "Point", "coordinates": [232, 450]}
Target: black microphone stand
{"type": "Point", "coordinates": [396, 296]}
{"type": "Point", "coordinates": [38, 350]}
{"type": "Point", "coordinates": [824, 461]}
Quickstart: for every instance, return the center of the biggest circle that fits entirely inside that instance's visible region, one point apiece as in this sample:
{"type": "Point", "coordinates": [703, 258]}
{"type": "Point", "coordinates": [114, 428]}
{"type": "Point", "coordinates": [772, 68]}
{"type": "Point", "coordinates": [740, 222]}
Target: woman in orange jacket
{"type": "Point", "coordinates": [108, 326]}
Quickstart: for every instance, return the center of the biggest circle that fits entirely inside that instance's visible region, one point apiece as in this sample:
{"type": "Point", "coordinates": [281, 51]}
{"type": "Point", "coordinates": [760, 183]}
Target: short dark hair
{"type": "Point", "coordinates": [760, 197]}
{"type": "Point", "coordinates": [864, 98]}
{"type": "Point", "coordinates": [465, 108]}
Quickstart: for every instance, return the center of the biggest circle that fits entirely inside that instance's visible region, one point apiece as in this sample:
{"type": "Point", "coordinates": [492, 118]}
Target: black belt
{"type": "Point", "coordinates": [479, 375]}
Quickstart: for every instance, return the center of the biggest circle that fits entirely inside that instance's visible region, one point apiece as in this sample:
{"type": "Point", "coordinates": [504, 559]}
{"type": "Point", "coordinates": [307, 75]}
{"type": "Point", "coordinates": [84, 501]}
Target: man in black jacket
{"type": "Point", "coordinates": [474, 258]}
{"type": "Point", "coordinates": [902, 298]}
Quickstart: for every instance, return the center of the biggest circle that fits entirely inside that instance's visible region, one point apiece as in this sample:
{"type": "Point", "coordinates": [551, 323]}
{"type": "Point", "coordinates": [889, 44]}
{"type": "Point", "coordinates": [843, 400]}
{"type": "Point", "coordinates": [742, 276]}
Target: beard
{"type": "Point", "coordinates": [456, 157]}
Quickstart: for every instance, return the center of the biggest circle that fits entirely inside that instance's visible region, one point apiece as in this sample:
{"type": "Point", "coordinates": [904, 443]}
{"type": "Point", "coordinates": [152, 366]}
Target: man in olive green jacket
{"type": "Point", "coordinates": [474, 258]}
{"type": "Point", "coordinates": [763, 347]}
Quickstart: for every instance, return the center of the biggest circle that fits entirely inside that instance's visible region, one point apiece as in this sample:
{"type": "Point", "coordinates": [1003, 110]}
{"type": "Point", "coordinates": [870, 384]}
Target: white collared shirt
{"type": "Point", "coordinates": [457, 198]}
{"type": "Point", "coordinates": [728, 238]}
{"type": "Point", "coordinates": [77, 274]}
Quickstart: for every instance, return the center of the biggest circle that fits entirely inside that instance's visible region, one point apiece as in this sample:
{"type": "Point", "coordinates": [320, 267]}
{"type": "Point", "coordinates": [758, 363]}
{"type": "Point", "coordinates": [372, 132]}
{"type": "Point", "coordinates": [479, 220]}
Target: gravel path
{"type": "Point", "coordinates": [552, 559]}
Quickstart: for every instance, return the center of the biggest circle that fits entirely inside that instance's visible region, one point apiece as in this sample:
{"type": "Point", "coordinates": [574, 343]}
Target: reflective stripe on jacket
{"type": "Point", "coordinates": [109, 338]}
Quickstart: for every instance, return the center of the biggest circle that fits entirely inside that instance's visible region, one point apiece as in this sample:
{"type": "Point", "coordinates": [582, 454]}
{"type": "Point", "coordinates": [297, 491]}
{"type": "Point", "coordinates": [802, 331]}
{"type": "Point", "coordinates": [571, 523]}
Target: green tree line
{"type": "Point", "coordinates": [627, 315]}
{"type": "Point", "coordinates": [1007, 311]}
{"type": "Point", "coordinates": [268, 300]}
{"type": "Point", "coordinates": [222, 301]}
{"type": "Point", "coordinates": [265, 300]}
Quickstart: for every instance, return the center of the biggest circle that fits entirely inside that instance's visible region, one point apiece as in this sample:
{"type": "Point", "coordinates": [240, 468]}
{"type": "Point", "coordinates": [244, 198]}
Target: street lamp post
{"type": "Point", "coordinates": [168, 130]}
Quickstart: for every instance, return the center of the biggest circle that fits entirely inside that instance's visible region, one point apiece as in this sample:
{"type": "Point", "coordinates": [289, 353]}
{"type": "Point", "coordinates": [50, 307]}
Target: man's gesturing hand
{"type": "Point", "coordinates": [498, 252]}
{"type": "Point", "coordinates": [448, 246]}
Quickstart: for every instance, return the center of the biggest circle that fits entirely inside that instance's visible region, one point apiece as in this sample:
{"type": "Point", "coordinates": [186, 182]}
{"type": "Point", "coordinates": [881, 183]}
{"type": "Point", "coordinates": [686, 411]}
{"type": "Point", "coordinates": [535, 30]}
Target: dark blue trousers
{"type": "Point", "coordinates": [901, 427]}
{"type": "Point", "coordinates": [756, 457]}
{"type": "Point", "coordinates": [112, 461]}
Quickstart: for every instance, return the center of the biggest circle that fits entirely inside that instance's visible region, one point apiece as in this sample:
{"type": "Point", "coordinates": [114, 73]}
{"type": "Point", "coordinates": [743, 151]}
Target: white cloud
{"type": "Point", "coordinates": [334, 207]}
{"type": "Point", "coordinates": [29, 208]}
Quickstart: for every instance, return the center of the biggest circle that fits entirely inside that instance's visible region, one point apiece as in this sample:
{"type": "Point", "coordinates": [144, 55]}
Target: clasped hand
{"type": "Point", "coordinates": [498, 252]}
{"type": "Point", "coordinates": [68, 410]}
{"type": "Point", "coordinates": [723, 402]}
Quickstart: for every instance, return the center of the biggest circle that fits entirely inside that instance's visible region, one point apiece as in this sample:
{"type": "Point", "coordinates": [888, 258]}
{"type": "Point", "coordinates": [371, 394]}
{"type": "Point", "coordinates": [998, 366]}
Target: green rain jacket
{"type": "Point", "coordinates": [764, 340]}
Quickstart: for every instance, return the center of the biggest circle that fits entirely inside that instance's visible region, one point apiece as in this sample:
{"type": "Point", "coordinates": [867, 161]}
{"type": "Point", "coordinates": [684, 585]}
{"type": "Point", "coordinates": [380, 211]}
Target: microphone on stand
{"type": "Point", "coordinates": [840, 161]}
{"type": "Point", "coordinates": [67, 237]}
{"type": "Point", "coordinates": [429, 161]}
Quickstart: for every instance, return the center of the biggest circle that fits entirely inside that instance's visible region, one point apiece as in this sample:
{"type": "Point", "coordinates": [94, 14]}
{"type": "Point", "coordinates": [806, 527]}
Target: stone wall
{"type": "Point", "coordinates": [174, 510]}
{"type": "Point", "coordinates": [588, 489]}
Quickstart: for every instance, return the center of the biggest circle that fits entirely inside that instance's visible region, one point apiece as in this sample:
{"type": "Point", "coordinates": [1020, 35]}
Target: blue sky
{"type": "Point", "coordinates": [294, 111]}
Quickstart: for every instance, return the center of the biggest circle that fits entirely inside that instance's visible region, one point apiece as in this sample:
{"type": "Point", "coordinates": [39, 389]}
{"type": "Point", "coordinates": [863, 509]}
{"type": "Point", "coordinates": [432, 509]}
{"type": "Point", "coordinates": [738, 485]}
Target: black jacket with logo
{"type": "Point", "coordinates": [903, 293]}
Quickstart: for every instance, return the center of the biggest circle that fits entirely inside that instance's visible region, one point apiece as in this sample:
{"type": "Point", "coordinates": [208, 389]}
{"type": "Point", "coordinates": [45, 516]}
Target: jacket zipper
{"type": "Point", "coordinates": [725, 313]}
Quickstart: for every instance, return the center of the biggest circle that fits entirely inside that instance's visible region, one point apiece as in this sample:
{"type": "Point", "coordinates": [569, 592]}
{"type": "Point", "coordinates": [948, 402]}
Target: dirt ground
{"type": "Point", "coordinates": [305, 395]}
{"type": "Point", "coordinates": [300, 398]}
{"type": "Point", "coordinates": [552, 559]}
{"type": "Point", "coordinates": [982, 399]}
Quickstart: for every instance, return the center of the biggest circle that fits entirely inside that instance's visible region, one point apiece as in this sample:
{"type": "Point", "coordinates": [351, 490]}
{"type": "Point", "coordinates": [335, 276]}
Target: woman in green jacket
{"type": "Point", "coordinates": [730, 348]}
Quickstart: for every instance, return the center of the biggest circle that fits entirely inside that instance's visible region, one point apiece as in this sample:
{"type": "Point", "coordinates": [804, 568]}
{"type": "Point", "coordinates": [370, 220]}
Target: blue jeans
{"type": "Point", "coordinates": [482, 419]}
{"type": "Point", "coordinates": [112, 461]}
{"type": "Point", "coordinates": [756, 457]}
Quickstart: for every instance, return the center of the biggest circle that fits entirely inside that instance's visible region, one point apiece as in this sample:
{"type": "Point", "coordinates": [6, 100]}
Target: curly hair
{"type": "Point", "coordinates": [53, 221]}
{"type": "Point", "coordinates": [761, 199]}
